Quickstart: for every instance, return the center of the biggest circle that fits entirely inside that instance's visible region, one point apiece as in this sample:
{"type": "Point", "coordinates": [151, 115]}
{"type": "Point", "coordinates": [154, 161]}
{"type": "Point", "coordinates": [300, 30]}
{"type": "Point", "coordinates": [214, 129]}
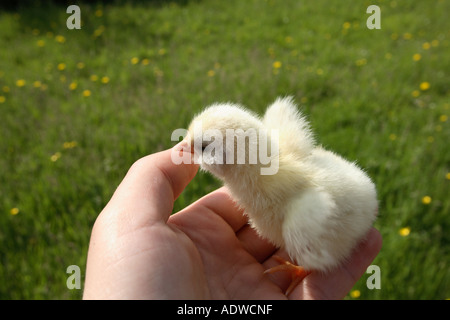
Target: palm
{"type": "Point", "coordinates": [230, 252]}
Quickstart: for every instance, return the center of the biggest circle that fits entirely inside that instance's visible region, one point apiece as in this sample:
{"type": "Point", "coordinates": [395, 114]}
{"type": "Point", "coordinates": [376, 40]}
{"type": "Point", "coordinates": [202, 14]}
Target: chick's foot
{"type": "Point", "coordinates": [297, 273]}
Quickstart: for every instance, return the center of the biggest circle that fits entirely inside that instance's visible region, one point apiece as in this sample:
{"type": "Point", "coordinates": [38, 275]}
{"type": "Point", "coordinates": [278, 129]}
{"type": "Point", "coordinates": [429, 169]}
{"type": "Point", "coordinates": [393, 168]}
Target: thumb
{"type": "Point", "coordinates": [151, 186]}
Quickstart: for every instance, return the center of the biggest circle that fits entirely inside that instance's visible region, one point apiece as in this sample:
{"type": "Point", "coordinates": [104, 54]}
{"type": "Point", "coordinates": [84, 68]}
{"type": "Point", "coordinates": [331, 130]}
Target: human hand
{"type": "Point", "coordinates": [138, 250]}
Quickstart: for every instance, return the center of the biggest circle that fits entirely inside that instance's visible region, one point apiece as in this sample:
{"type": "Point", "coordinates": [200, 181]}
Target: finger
{"type": "Point", "coordinates": [336, 284]}
{"type": "Point", "coordinates": [258, 247]}
{"type": "Point", "coordinates": [150, 187]}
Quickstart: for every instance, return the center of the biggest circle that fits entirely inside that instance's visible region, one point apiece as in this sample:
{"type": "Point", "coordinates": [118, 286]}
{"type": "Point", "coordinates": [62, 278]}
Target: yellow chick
{"type": "Point", "coordinates": [302, 198]}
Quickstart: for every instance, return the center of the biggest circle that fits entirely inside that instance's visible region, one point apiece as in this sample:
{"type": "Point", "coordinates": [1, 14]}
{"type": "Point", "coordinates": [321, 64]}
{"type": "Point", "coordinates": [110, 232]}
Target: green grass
{"type": "Point", "coordinates": [360, 88]}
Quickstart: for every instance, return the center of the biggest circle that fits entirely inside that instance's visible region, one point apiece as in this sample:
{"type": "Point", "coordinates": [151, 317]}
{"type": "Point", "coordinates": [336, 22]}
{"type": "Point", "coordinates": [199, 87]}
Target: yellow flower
{"type": "Point", "coordinates": [277, 64]}
{"type": "Point", "coordinates": [145, 61]}
{"type": "Point", "coordinates": [430, 139]}
{"type": "Point", "coordinates": [319, 71]}
{"type": "Point", "coordinates": [426, 45]}
{"type": "Point", "coordinates": [417, 57]}
{"type": "Point", "coordinates": [5, 89]}
{"type": "Point", "coordinates": [105, 79]}
{"type": "Point", "coordinates": [392, 137]}
{"type": "Point", "coordinates": [60, 39]}
{"type": "Point", "coordinates": [134, 60]}
{"type": "Point", "coordinates": [211, 73]}
{"type": "Point", "coordinates": [37, 84]}
{"type": "Point", "coordinates": [407, 36]}
{"type": "Point", "coordinates": [14, 211]}
{"type": "Point", "coordinates": [2, 99]}
{"type": "Point", "coordinates": [40, 43]}
{"type": "Point", "coordinates": [69, 144]}
{"type": "Point", "coordinates": [20, 83]}
{"type": "Point", "coordinates": [73, 85]}
{"type": "Point", "coordinates": [361, 62]}
{"type": "Point", "coordinates": [434, 43]}
{"type": "Point", "coordinates": [424, 86]}
{"type": "Point", "coordinates": [162, 51]}
{"type": "Point", "coordinates": [447, 176]}
{"type": "Point", "coordinates": [346, 25]}
{"type": "Point", "coordinates": [426, 200]}
{"type": "Point", "coordinates": [404, 232]}
{"type": "Point", "coordinates": [443, 118]}
{"type": "Point", "coordinates": [80, 65]}
{"type": "Point", "coordinates": [86, 93]}
{"type": "Point", "coordinates": [55, 156]}
{"type": "Point", "coordinates": [415, 93]}
{"type": "Point", "coordinates": [93, 77]}
{"type": "Point", "coordinates": [288, 39]}
{"type": "Point", "coordinates": [61, 66]}
{"type": "Point", "coordinates": [355, 294]}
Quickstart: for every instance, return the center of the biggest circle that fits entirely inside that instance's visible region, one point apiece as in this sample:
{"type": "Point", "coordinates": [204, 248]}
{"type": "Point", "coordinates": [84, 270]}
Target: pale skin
{"type": "Point", "coordinates": [138, 250]}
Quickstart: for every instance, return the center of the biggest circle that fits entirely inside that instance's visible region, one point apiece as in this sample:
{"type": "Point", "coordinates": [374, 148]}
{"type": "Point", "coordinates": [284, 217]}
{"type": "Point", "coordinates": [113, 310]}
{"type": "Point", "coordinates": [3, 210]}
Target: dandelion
{"type": "Point", "coordinates": [430, 139]}
{"type": "Point", "coordinates": [40, 43]}
{"type": "Point", "coordinates": [319, 71]}
{"type": "Point", "coordinates": [404, 232]}
{"type": "Point", "coordinates": [434, 43]}
{"type": "Point", "coordinates": [37, 84]}
{"type": "Point", "coordinates": [61, 66]}
{"type": "Point", "coordinates": [20, 83]}
{"type": "Point", "coordinates": [98, 32]}
{"type": "Point", "coordinates": [346, 25]}
{"type": "Point", "coordinates": [145, 61]}
{"type": "Point", "coordinates": [80, 65]}
{"type": "Point", "coordinates": [105, 79]}
{"type": "Point", "coordinates": [277, 65]}
{"type": "Point", "coordinates": [162, 51]}
{"type": "Point", "coordinates": [415, 93]}
{"type": "Point", "coordinates": [60, 39]}
{"type": "Point", "coordinates": [447, 176]}
{"type": "Point", "coordinates": [355, 294]}
{"type": "Point", "coordinates": [426, 200]}
{"type": "Point", "coordinates": [392, 137]}
{"type": "Point", "coordinates": [93, 77]}
{"type": "Point", "coordinates": [426, 45]}
{"type": "Point", "coordinates": [211, 73]}
{"type": "Point", "coordinates": [288, 39]}
{"type": "Point", "coordinates": [407, 36]}
{"type": "Point", "coordinates": [86, 93]}
{"type": "Point", "coordinates": [73, 86]}
{"type": "Point", "coordinates": [62, 78]}
{"type": "Point", "coordinates": [54, 157]}
{"type": "Point", "coordinates": [69, 144]}
{"type": "Point", "coordinates": [2, 99]}
{"type": "Point", "coordinates": [424, 86]}
{"type": "Point", "coordinates": [134, 60]}
{"type": "Point", "coordinates": [417, 57]}
{"type": "Point", "coordinates": [6, 89]}
{"type": "Point", "coordinates": [14, 211]}
{"type": "Point", "coordinates": [361, 62]}
{"type": "Point", "coordinates": [443, 118]}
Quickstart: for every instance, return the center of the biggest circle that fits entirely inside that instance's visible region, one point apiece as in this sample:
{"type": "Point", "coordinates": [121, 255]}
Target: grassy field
{"type": "Point", "coordinates": [78, 107]}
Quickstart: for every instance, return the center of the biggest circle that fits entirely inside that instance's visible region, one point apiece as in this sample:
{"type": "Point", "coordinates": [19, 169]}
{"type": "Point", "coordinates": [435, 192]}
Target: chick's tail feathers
{"type": "Point", "coordinates": [294, 133]}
